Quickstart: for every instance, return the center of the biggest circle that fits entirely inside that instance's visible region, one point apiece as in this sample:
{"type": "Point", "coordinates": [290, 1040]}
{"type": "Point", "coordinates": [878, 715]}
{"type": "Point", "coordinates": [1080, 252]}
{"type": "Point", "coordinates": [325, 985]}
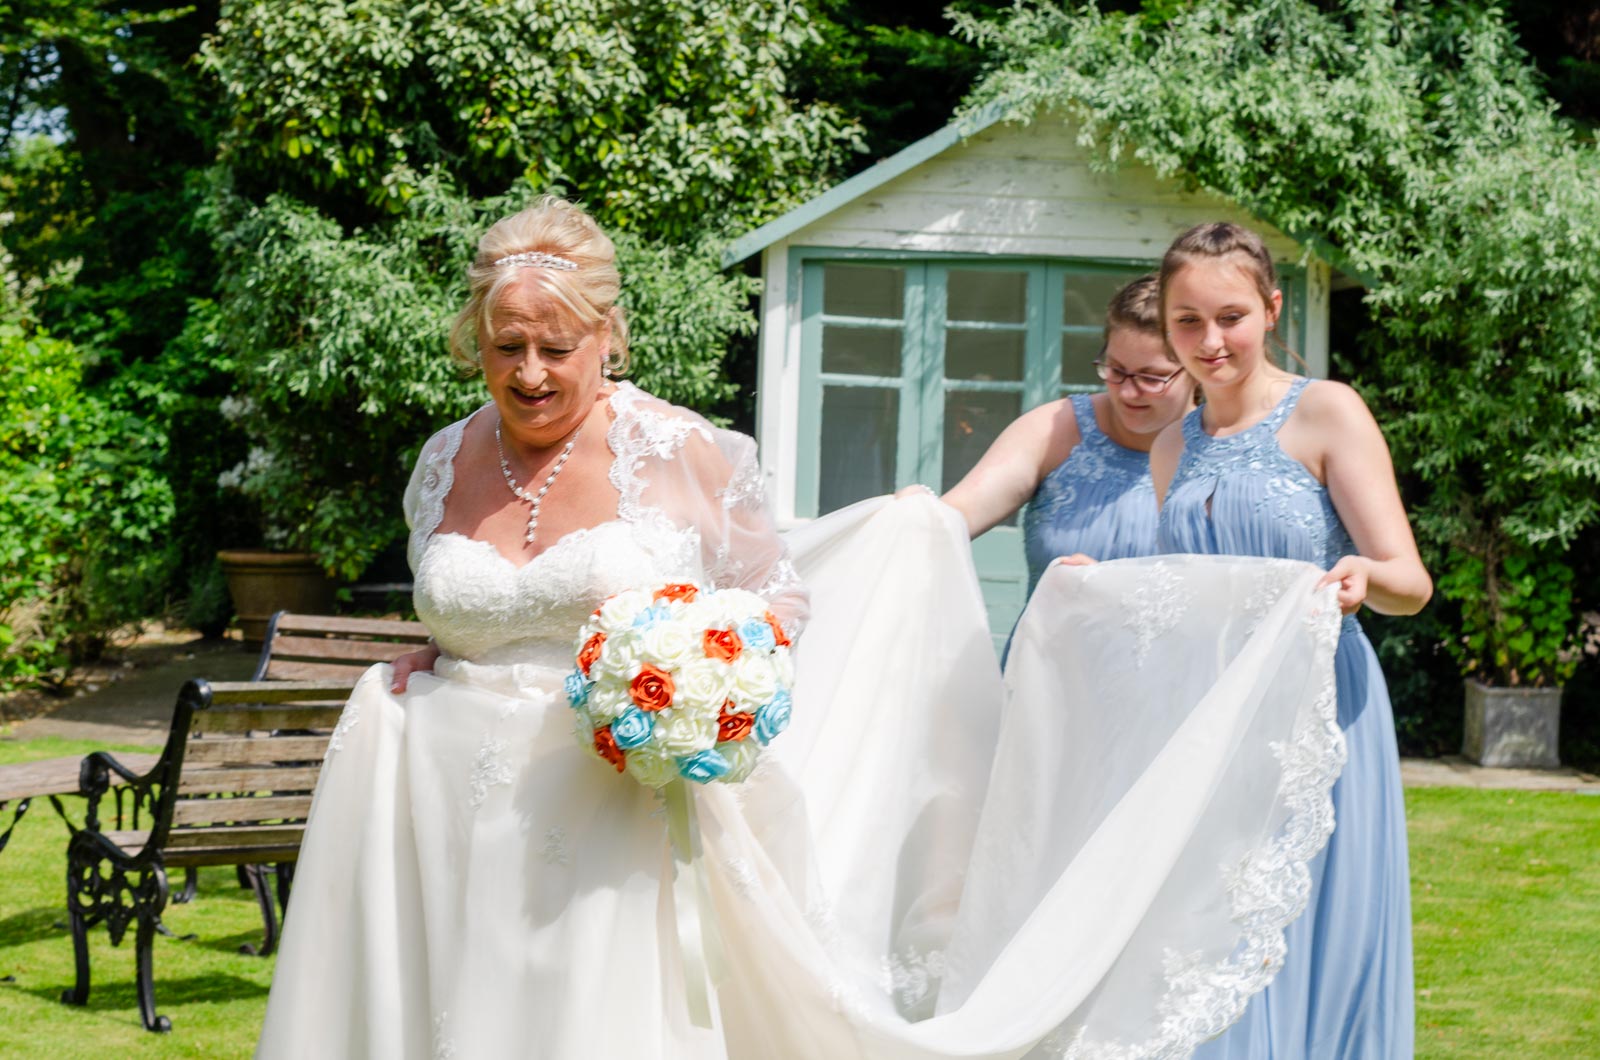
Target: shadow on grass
{"type": "Point", "coordinates": [121, 995]}
{"type": "Point", "coordinates": [31, 925]}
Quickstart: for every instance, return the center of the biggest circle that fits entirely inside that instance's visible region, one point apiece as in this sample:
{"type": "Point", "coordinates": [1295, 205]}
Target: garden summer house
{"type": "Point", "coordinates": [914, 310]}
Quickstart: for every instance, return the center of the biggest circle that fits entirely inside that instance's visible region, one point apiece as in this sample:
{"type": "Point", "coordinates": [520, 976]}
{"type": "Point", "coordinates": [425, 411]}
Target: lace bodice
{"type": "Point", "coordinates": [691, 508]}
{"type": "Point", "coordinates": [1098, 501]}
{"type": "Point", "coordinates": [1242, 495]}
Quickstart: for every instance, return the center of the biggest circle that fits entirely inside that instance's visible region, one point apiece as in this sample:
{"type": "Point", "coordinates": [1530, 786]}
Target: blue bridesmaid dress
{"type": "Point", "coordinates": [1345, 990]}
{"type": "Point", "coordinates": [1098, 501]}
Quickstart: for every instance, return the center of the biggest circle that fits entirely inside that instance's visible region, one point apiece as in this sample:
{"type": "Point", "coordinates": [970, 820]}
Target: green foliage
{"type": "Point", "coordinates": [1414, 146]}
{"type": "Point", "coordinates": [666, 118]}
{"type": "Point", "coordinates": [1517, 619]}
{"type": "Point", "coordinates": [340, 343]}
{"type": "Point", "coordinates": [84, 513]}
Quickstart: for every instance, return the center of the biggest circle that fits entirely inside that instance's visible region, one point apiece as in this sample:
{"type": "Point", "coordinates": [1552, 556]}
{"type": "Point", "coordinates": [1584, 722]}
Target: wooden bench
{"type": "Point", "coordinates": [232, 786]}
{"type": "Point", "coordinates": [51, 778]}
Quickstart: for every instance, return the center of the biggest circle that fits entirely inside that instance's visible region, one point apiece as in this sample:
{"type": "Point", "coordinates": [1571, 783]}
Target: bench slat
{"type": "Point", "coordinates": [266, 855]}
{"type": "Point", "coordinates": [258, 751]}
{"type": "Point", "coordinates": [279, 691]}
{"type": "Point", "coordinates": [247, 779]}
{"type": "Point", "coordinates": [235, 719]}
{"type": "Point", "coordinates": [290, 670]}
{"type": "Point", "coordinates": [248, 808]}
{"type": "Point", "coordinates": [399, 629]}
{"type": "Point", "coordinates": [59, 776]}
{"type": "Point", "coordinates": [325, 648]}
{"type": "Point", "coordinates": [238, 835]}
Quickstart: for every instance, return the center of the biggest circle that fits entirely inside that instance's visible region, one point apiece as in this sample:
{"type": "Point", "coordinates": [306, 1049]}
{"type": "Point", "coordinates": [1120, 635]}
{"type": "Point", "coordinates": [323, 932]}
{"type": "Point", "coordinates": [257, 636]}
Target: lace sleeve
{"type": "Point", "coordinates": [674, 462]}
{"type": "Point", "coordinates": [430, 484]}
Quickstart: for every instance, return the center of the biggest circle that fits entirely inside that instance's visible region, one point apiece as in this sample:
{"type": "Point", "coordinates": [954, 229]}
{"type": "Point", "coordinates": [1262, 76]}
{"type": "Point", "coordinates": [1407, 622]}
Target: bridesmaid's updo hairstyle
{"type": "Point", "coordinates": [562, 247]}
{"type": "Point", "coordinates": [1137, 307]}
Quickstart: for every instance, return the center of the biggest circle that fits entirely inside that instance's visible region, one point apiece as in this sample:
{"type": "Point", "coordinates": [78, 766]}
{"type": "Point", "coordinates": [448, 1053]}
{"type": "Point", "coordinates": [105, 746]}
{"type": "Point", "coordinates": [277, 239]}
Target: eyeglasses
{"type": "Point", "coordinates": [1147, 384]}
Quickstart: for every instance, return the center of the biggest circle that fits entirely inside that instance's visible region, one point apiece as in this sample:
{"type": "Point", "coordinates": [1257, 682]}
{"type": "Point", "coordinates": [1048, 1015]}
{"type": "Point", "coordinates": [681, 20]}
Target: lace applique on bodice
{"type": "Point", "coordinates": [485, 609]}
{"type": "Point", "coordinates": [482, 607]}
{"type": "Point", "coordinates": [1099, 501]}
{"type": "Point", "coordinates": [1242, 495]}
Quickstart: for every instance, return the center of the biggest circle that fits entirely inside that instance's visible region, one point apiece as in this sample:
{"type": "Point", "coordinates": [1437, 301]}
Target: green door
{"type": "Point", "coordinates": [911, 368]}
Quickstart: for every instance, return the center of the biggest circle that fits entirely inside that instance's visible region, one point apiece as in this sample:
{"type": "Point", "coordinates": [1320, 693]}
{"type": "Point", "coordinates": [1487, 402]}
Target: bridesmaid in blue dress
{"type": "Point", "coordinates": [1082, 464]}
{"type": "Point", "coordinates": [1277, 465]}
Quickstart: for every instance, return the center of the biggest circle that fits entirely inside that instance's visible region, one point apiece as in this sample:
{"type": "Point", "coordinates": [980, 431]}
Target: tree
{"type": "Point", "coordinates": [372, 140]}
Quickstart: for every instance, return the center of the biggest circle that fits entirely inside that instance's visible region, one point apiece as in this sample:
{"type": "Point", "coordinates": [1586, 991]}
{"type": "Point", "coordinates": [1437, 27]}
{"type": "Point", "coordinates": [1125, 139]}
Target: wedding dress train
{"type": "Point", "coordinates": [1092, 856]}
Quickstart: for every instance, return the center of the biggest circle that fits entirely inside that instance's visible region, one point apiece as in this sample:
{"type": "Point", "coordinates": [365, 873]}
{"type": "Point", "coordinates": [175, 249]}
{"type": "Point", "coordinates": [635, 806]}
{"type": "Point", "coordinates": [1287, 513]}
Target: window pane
{"type": "Point", "coordinates": [1078, 352]}
{"type": "Point", "coordinates": [1085, 295]}
{"type": "Point", "coordinates": [983, 354]}
{"type": "Point", "coordinates": [972, 420]}
{"type": "Point", "coordinates": [987, 295]}
{"type": "Point", "coordinates": [860, 351]}
{"type": "Point", "coordinates": [863, 291]}
{"type": "Point", "coordinates": [860, 431]}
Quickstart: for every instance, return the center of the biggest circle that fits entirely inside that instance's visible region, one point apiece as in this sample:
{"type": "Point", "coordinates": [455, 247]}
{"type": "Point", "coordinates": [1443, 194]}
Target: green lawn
{"type": "Point", "coordinates": [1506, 900]}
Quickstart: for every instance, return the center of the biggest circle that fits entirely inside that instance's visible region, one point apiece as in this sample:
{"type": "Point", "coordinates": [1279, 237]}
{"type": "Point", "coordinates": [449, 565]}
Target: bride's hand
{"type": "Point", "coordinates": [916, 489]}
{"type": "Point", "coordinates": [1350, 574]}
{"type": "Point", "coordinates": [413, 662]}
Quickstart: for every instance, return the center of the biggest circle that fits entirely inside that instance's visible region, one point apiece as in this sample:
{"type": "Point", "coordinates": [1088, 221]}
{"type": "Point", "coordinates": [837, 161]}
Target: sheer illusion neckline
{"type": "Point", "coordinates": [614, 409]}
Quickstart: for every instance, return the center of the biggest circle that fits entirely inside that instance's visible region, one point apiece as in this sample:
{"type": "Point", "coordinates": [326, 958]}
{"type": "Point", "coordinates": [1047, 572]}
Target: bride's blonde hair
{"type": "Point", "coordinates": [579, 271]}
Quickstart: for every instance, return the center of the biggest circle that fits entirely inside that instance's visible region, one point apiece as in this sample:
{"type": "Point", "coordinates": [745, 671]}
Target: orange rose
{"type": "Point", "coordinates": [723, 644]}
{"type": "Point", "coordinates": [684, 591]}
{"type": "Point", "coordinates": [777, 630]}
{"type": "Point", "coordinates": [590, 652]}
{"type": "Point", "coordinates": [606, 745]}
{"type": "Point", "coordinates": [652, 688]}
{"type": "Point", "coordinates": [733, 725]}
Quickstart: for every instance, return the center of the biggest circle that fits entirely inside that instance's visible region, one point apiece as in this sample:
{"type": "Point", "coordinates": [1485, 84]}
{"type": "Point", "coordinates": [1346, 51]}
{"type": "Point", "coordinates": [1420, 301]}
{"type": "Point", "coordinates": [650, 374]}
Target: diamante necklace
{"type": "Point", "coordinates": [534, 499]}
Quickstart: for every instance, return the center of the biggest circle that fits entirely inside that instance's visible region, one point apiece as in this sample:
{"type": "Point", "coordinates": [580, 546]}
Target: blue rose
{"type": "Point", "coordinates": [773, 717]}
{"type": "Point", "coordinates": [578, 688]}
{"type": "Point", "coordinates": [757, 634]}
{"type": "Point", "coordinates": [651, 615]}
{"type": "Point", "coordinates": [631, 728]}
{"type": "Point", "coordinates": [703, 767]}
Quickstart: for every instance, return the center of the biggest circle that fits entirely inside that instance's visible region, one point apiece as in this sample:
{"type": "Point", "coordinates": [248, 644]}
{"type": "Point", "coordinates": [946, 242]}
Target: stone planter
{"type": "Point", "coordinates": [1512, 727]}
{"type": "Point", "coordinates": [263, 583]}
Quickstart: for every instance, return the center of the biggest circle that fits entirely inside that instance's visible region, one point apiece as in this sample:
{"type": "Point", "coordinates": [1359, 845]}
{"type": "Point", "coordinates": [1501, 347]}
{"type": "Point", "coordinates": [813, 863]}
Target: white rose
{"type": "Point", "coordinates": [609, 697]}
{"type": "Point", "coordinates": [702, 685]}
{"type": "Point", "coordinates": [685, 733]}
{"type": "Point", "coordinates": [617, 614]}
{"type": "Point", "coordinates": [620, 658]}
{"type": "Point", "coordinates": [743, 756]}
{"type": "Point", "coordinates": [650, 767]}
{"type": "Point", "coordinates": [755, 680]}
{"type": "Point", "coordinates": [670, 645]}
{"type": "Point", "coordinates": [741, 604]}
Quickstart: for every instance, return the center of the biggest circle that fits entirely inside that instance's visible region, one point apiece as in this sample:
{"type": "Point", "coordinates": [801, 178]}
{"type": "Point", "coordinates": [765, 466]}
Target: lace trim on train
{"type": "Point", "coordinates": [1269, 887]}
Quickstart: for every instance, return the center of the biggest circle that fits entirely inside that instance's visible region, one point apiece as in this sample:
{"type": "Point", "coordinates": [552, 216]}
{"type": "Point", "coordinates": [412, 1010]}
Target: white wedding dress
{"type": "Point", "coordinates": [1091, 857]}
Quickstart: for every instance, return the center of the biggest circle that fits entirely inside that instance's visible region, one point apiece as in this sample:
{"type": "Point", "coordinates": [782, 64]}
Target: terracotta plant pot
{"type": "Point", "coordinates": [1512, 727]}
{"type": "Point", "coordinates": [263, 583]}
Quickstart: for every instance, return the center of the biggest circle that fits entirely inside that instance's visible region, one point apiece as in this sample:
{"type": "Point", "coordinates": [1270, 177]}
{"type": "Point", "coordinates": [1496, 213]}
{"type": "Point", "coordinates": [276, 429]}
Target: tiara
{"type": "Point", "coordinates": [537, 259]}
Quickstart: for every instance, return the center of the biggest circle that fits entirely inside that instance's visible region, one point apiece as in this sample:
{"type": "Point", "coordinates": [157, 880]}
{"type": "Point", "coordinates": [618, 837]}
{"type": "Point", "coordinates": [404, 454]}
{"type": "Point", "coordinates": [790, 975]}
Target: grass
{"type": "Point", "coordinates": [1505, 899]}
{"type": "Point", "coordinates": [1505, 890]}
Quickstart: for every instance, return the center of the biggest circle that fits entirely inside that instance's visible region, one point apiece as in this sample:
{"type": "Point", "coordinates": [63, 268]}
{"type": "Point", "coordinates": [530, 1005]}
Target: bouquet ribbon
{"type": "Point", "coordinates": [698, 944]}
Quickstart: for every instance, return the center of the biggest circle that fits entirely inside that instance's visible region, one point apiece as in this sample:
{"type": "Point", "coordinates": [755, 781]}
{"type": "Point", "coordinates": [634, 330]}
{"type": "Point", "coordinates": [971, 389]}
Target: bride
{"type": "Point", "coordinates": [1094, 855]}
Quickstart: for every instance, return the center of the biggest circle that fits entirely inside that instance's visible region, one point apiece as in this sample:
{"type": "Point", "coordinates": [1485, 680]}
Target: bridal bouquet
{"type": "Point", "coordinates": [681, 682]}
